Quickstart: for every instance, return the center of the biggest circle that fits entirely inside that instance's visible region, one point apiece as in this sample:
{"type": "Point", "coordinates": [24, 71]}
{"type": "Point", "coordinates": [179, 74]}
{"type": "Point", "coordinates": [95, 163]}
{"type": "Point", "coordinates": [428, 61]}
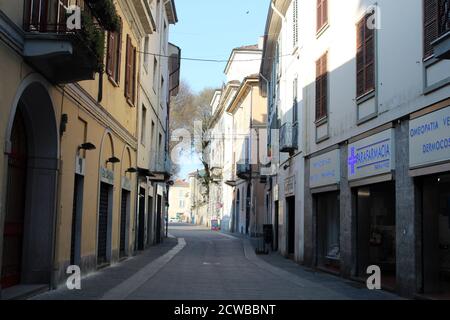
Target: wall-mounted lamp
{"type": "Point", "coordinates": [87, 146]}
{"type": "Point", "coordinates": [131, 170]}
{"type": "Point", "coordinates": [113, 160]}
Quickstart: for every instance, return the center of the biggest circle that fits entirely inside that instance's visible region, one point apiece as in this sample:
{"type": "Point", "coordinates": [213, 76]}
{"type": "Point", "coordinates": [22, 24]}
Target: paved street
{"type": "Point", "coordinates": [202, 264]}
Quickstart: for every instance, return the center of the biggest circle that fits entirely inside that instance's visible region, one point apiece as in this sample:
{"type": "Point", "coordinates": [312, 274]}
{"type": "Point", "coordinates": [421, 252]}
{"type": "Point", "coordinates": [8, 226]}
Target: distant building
{"type": "Point", "coordinates": [180, 201]}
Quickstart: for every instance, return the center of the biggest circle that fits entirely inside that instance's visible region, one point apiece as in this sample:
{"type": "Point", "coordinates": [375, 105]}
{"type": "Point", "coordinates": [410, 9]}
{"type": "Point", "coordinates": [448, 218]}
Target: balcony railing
{"type": "Point", "coordinates": [444, 17]}
{"type": "Point", "coordinates": [289, 138]}
{"type": "Point", "coordinates": [67, 45]}
{"type": "Point", "coordinates": [442, 45]}
{"type": "Point", "coordinates": [243, 170]}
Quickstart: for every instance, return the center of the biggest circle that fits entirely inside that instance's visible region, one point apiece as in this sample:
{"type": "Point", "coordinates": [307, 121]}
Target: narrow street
{"type": "Point", "coordinates": [211, 266]}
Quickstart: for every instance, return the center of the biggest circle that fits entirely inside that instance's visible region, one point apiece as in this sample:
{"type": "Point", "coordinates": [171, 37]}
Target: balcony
{"type": "Point", "coordinates": [67, 46]}
{"type": "Point", "coordinates": [289, 138]}
{"type": "Point", "coordinates": [162, 171]}
{"type": "Point", "coordinates": [243, 170]}
{"type": "Point", "coordinates": [442, 43]}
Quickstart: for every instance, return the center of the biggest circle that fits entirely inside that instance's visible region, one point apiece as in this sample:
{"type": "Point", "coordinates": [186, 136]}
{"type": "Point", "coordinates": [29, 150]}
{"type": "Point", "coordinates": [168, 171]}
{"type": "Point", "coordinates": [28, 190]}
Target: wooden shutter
{"type": "Point", "coordinates": [110, 54]}
{"type": "Point", "coordinates": [321, 87]}
{"type": "Point", "coordinates": [133, 80]}
{"type": "Point", "coordinates": [119, 53]}
{"type": "Point", "coordinates": [360, 72]}
{"type": "Point", "coordinates": [431, 26]}
{"type": "Point", "coordinates": [319, 14]}
{"type": "Point", "coordinates": [322, 13]}
{"type": "Point", "coordinates": [369, 57]}
{"type": "Point", "coordinates": [365, 57]}
{"type": "Point", "coordinates": [128, 68]}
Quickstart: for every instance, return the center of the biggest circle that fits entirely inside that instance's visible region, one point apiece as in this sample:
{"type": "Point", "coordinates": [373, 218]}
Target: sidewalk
{"type": "Point", "coordinates": [94, 286]}
{"type": "Point", "coordinates": [328, 286]}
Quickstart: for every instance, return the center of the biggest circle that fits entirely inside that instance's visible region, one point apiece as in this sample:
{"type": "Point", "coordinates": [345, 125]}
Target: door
{"type": "Point", "coordinates": [149, 220]}
{"type": "Point", "coordinates": [141, 226]}
{"type": "Point", "coordinates": [158, 219]}
{"type": "Point", "coordinates": [290, 225]}
{"type": "Point", "coordinates": [276, 226]}
{"type": "Point", "coordinates": [123, 221]}
{"type": "Point", "coordinates": [75, 242]}
{"type": "Point", "coordinates": [15, 206]}
{"type": "Point", "coordinates": [247, 210]}
{"type": "Point", "coordinates": [103, 224]}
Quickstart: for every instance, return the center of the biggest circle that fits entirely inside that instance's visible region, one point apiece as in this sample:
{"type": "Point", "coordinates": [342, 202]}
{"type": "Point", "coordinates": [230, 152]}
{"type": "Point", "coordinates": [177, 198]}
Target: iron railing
{"type": "Point", "coordinates": [444, 17]}
{"type": "Point", "coordinates": [50, 16]}
{"type": "Point", "coordinates": [289, 137]}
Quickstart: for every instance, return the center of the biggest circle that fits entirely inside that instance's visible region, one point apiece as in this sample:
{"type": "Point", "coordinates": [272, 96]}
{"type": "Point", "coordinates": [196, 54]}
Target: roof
{"type": "Point", "coordinates": [247, 48]}
{"type": "Point", "coordinates": [181, 183]}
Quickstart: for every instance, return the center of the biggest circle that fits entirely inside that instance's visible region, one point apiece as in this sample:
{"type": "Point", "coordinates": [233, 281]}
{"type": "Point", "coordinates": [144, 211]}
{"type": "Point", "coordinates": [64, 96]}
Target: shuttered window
{"type": "Point", "coordinates": [431, 25]}
{"type": "Point", "coordinates": [322, 14]}
{"type": "Point", "coordinates": [114, 55]}
{"type": "Point", "coordinates": [130, 72]}
{"type": "Point", "coordinates": [322, 87]}
{"type": "Point", "coordinates": [365, 57]}
{"type": "Point", "coordinates": [295, 23]}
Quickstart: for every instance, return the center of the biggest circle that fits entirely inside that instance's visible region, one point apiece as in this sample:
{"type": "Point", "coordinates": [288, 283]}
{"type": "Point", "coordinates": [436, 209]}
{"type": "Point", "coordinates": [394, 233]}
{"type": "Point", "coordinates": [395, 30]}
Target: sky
{"type": "Point", "coordinates": [210, 29]}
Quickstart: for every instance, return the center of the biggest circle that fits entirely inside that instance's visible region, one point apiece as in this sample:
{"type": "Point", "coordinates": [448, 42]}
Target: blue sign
{"type": "Point", "coordinates": [371, 156]}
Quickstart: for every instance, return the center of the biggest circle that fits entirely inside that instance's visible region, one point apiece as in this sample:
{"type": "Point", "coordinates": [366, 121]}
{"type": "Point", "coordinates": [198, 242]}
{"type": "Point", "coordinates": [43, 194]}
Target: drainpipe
{"type": "Point", "coordinates": [274, 8]}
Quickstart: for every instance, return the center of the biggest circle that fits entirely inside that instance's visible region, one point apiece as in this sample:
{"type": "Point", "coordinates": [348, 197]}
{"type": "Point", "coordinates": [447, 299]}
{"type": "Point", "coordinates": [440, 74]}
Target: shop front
{"type": "Point", "coordinates": [429, 145]}
{"type": "Point", "coordinates": [371, 164]}
{"type": "Point", "coordinates": [324, 180]}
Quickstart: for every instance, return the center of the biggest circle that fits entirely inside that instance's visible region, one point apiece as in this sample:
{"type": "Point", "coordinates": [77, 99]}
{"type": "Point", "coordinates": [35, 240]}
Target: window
{"type": "Point", "coordinates": [365, 58]}
{"type": "Point", "coordinates": [130, 72]}
{"type": "Point", "coordinates": [322, 87]}
{"type": "Point", "coordinates": [146, 56]}
{"type": "Point", "coordinates": [114, 55]}
{"type": "Point", "coordinates": [295, 101]}
{"type": "Point", "coordinates": [181, 204]}
{"type": "Point", "coordinates": [158, 13]}
{"type": "Point", "coordinates": [322, 14]}
{"type": "Point", "coordinates": [155, 73]}
{"type": "Point", "coordinates": [160, 145]}
{"type": "Point", "coordinates": [436, 22]}
{"type": "Point", "coordinates": [152, 134]}
{"type": "Point", "coordinates": [295, 23]}
{"type": "Point", "coordinates": [143, 124]}
{"type": "Point", "coordinates": [162, 91]}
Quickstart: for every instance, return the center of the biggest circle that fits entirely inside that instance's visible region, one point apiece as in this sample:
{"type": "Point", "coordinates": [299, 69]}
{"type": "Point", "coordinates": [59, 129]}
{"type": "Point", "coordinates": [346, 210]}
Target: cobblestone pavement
{"type": "Point", "coordinates": [209, 265]}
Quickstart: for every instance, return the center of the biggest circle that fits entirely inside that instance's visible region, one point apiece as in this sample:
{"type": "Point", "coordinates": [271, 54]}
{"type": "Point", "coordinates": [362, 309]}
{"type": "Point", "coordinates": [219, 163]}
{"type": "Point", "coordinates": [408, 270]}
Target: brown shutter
{"type": "Point", "coordinates": [360, 73]}
{"type": "Point", "coordinates": [318, 88]}
{"type": "Point", "coordinates": [119, 53]}
{"type": "Point", "coordinates": [110, 54]}
{"type": "Point", "coordinates": [324, 12]}
{"type": "Point", "coordinates": [369, 57]}
{"type": "Point", "coordinates": [319, 14]}
{"type": "Point", "coordinates": [321, 87]}
{"type": "Point", "coordinates": [133, 81]}
{"type": "Point", "coordinates": [324, 86]}
{"type": "Point", "coordinates": [431, 26]}
{"type": "Point", "coordinates": [127, 68]}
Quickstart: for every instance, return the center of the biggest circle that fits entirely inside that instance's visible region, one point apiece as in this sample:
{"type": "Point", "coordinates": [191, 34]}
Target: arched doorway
{"type": "Point", "coordinates": [28, 229]}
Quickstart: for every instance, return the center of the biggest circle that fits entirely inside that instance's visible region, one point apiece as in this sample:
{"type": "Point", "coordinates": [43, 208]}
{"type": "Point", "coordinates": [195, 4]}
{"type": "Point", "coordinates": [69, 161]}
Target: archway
{"type": "Point", "coordinates": [31, 187]}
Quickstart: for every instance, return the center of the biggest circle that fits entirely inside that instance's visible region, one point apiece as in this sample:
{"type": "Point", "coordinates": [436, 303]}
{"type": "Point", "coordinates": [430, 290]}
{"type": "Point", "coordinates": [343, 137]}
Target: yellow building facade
{"type": "Point", "coordinates": [69, 140]}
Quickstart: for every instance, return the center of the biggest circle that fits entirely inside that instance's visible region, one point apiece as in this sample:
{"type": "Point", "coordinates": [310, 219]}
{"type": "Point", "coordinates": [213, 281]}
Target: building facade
{"type": "Point", "coordinates": [238, 120]}
{"type": "Point", "coordinates": [180, 204]}
{"type": "Point", "coordinates": [370, 163]}
{"type": "Point", "coordinates": [70, 136]}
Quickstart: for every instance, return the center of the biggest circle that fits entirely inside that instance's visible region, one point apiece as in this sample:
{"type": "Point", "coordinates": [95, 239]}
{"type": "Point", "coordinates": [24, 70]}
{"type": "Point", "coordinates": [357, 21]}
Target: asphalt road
{"type": "Point", "coordinates": [218, 266]}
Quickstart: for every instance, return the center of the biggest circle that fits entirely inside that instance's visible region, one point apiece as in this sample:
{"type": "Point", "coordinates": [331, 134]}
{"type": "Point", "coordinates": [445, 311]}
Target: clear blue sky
{"type": "Point", "coordinates": [210, 29]}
